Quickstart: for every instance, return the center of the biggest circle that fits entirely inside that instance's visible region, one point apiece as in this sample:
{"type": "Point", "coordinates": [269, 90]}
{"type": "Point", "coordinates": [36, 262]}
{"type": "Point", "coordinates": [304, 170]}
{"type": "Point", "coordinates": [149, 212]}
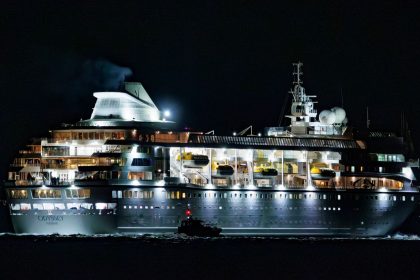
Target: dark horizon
{"type": "Point", "coordinates": [221, 66]}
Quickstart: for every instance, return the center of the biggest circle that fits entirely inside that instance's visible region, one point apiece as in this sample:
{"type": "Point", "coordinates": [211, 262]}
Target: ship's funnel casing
{"type": "Point", "coordinates": [133, 105]}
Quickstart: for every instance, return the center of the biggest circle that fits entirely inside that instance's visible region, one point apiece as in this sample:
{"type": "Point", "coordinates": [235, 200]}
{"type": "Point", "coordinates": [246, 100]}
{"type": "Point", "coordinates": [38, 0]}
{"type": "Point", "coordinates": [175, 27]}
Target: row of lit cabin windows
{"type": "Point", "coordinates": [92, 135]}
{"type": "Point", "coordinates": [62, 206]}
{"type": "Point", "coordinates": [168, 207]}
{"type": "Point", "coordinates": [49, 193]}
{"type": "Point", "coordinates": [225, 195]}
{"type": "Point", "coordinates": [132, 194]}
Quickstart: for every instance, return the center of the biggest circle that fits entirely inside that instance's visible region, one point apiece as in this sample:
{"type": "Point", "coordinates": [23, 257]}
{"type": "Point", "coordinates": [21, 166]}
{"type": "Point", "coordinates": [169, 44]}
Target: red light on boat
{"type": "Point", "coordinates": [188, 212]}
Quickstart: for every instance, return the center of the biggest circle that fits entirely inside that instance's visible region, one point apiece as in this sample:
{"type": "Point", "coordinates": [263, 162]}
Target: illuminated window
{"type": "Point", "coordinates": [18, 194]}
{"type": "Point", "coordinates": [86, 206]}
{"type": "Point", "coordinates": [25, 206]}
{"type": "Point", "coordinates": [46, 193]}
{"type": "Point", "coordinates": [78, 193]}
{"type": "Point", "coordinates": [72, 206]}
{"type": "Point", "coordinates": [59, 206]}
{"type": "Point", "coordinates": [15, 206]}
{"type": "Point", "coordinates": [38, 206]}
{"type": "Point", "coordinates": [48, 206]}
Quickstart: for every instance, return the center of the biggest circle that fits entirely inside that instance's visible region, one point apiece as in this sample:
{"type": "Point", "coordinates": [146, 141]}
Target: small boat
{"type": "Point", "coordinates": [191, 160]}
{"type": "Point", "coordinates": [269, 172]}
{"type": "Point", "coordinates": [196, 227]}
{"type": "Point", "coordinates": [265, 171]}
{"type": "Point", "coordinates": [322, 173]}
{"type": "Point", "coordinates": [225, 170]}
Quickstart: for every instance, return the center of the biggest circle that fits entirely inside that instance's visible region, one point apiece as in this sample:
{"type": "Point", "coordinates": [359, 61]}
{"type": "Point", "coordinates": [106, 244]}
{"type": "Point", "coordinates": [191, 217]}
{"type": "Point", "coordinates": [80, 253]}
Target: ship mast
{"type": "Point", "coordinates": [297, 82]}
{"type": "Point", "coordinates": [302, 109]}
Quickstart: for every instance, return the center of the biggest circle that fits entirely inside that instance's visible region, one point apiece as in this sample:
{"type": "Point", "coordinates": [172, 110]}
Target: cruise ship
{"type": "Point", "coordinates": [128, 169]}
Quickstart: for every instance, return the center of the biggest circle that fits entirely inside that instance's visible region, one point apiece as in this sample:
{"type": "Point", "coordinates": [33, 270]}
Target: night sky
{"type": "Point", "coordinates": [219, 65]}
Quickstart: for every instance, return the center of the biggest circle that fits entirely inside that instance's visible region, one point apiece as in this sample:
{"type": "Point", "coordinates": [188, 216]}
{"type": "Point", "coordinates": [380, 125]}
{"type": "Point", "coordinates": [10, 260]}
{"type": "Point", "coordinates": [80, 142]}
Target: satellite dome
{"type": "Point", "coordinates": [340, 114]}
{"type": "Point", "coordinates": [327, 117]}
{"type": "Point", "coordinates": [345, 121]}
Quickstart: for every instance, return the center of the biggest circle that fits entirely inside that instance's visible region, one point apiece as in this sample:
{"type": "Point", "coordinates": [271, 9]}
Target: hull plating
{"type": "Point", "coordinates": [64, 224]}
{"type": "Point", "coordinates": [251, 212]}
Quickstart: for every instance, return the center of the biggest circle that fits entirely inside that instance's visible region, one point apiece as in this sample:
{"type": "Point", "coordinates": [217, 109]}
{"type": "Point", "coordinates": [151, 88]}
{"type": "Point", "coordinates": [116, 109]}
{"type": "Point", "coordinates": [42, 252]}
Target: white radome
{"type": "Point", "coordinates": [327, 117]}
{"type": "Point", "coordinates": [340, 114]}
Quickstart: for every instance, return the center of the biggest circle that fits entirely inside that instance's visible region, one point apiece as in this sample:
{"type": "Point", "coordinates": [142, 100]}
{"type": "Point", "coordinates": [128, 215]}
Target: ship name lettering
{"type": "Point", "coordinates": [50, 218]}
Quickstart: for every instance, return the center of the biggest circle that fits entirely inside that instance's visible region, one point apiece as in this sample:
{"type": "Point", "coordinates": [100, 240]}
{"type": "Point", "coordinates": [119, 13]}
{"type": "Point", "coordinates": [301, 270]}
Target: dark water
{"type": "Point", "coordinates": [181, 257]}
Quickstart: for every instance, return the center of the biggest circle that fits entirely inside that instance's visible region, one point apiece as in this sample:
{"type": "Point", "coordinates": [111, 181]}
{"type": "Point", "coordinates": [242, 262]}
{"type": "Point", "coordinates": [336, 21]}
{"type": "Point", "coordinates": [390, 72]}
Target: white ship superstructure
{"type": "Point", "coordinates": [127, 169]}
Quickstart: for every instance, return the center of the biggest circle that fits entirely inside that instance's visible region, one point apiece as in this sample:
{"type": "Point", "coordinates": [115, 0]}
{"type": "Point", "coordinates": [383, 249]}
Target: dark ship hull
{"type": "Point", "coordinates": [237, 212]}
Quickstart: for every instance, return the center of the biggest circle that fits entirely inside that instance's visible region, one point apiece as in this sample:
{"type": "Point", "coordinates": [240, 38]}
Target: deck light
{"type": "Point", "coordinates": [167, 113]}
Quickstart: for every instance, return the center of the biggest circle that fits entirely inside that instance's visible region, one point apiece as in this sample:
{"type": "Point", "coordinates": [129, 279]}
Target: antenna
{"type": "Point", "coordinates": [297, 72]}
{"type": "Point", "coordinates": [283, 109]}
{"type": "Point", "coordinates": [367, 118]}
